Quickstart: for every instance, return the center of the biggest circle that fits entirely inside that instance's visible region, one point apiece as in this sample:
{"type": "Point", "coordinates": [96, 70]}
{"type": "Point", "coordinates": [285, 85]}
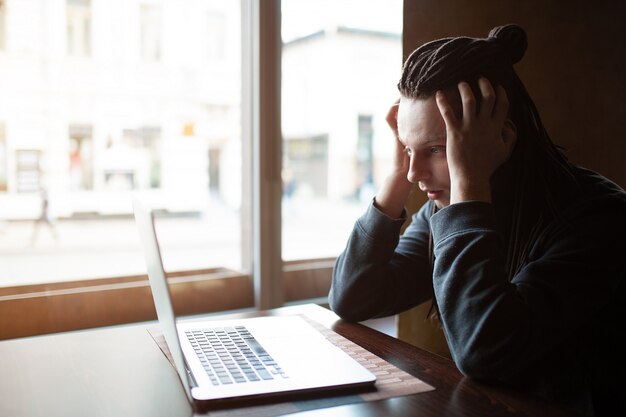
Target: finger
{"type": "Point", "coordinates": [468, 100]}
{"type": "Point", "coordinates": [402, 158]}
{"type": "Point", "coordinates": [446, 110]}
{"type": "Point", "coordinates": [501, 108]}
{"type": "Point", "coordinates": [394, 106]}
{"type": "Point", "coordinates": [392, 117]}
{"type": "Point", "coordinates": [488, 98]}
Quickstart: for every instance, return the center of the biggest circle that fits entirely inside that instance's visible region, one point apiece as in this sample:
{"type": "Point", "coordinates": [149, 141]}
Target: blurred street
{"type": "Point", "coordinates": [108, 247]}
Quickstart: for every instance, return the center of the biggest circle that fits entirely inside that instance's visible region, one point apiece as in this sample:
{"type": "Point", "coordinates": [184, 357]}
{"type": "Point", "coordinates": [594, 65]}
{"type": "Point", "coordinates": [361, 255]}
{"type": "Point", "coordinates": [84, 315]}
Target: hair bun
{"type": "Point", "coordinates": [512, 39]}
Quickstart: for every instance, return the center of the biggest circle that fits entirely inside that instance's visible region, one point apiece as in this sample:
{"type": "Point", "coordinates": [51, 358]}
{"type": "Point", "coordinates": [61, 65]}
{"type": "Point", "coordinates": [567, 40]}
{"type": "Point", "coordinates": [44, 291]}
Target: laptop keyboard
{"type": "Point", "coordinates": [232, 355]}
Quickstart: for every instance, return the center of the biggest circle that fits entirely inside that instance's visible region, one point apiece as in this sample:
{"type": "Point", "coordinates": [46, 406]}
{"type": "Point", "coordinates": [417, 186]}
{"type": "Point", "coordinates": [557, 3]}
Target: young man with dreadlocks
{"type": "Point", "coordinates": [523, 252]}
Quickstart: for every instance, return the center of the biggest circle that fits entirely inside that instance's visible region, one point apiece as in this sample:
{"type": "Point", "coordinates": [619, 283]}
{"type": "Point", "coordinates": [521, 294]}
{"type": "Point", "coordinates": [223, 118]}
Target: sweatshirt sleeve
{"type": "Point", "coordinates": [380, 273]}
{"type": "Point", "coordinates": [496, 327]}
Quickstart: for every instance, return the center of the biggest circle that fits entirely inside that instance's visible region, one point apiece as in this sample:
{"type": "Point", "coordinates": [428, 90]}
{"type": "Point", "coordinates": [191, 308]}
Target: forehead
{"type": "Point", "coordinates": [419, 121]}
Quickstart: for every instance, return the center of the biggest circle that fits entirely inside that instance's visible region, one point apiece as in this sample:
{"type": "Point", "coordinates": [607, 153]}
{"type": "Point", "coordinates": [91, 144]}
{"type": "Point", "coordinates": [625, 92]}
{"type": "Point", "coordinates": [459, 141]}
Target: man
{"type": "Point", "coordinates": [521, 251]}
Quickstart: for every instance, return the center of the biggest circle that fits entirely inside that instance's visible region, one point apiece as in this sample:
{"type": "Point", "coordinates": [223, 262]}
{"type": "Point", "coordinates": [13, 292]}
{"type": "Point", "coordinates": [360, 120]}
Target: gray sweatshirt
{"type": "Point", "coordinates": [556, 329]}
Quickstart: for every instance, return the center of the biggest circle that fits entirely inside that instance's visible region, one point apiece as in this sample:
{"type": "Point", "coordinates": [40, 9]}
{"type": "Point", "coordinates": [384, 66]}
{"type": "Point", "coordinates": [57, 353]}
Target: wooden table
{"type": "Point", "coordinates": [120, 371]}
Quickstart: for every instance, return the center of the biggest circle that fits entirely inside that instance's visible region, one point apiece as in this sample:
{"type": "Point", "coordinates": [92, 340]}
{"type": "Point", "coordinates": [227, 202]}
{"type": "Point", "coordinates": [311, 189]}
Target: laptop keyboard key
{"type": "Point", "coordinates": [264, 374]}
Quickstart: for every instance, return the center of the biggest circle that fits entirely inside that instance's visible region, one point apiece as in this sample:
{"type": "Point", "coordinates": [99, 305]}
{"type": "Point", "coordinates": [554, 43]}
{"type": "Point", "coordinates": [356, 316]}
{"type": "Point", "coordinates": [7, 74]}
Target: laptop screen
{"type": "Point", "coordinates": [158, 283]}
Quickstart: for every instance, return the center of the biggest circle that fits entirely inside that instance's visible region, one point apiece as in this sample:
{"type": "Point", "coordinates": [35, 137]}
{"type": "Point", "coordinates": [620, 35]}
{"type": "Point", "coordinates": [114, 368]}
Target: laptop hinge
{"type": "Point", "coordinates": [190, 378]}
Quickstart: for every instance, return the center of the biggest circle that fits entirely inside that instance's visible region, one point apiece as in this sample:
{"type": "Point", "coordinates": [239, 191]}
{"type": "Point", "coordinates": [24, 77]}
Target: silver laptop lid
{"type": "Point", "coordinates": [144, 218]}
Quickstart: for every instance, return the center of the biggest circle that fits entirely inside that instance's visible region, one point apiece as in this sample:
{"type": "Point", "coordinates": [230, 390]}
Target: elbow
{"type": "Point", "coordinates": [340, 306]}
{"type": "Point", "coordinates": [345, 306]}
{"type": "Point", "coordinates": [484, 364]}
{"type": "Point", "coordinates": [346, 315]}
{"type": "Point", "coordinates": [471, 367]}
{"type": "Point", "coordinates": [474, 358]}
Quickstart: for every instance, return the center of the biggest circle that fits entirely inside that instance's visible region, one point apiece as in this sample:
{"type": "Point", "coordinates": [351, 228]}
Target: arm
{"type": "Point", "coordinates": [496, 328]}
{"type": "Point", "coordinates": [380, 273]}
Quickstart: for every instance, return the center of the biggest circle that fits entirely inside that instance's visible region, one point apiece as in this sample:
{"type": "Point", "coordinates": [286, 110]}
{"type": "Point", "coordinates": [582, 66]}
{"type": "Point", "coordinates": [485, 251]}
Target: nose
{"type": "Point", "coordinates": [418, 170]}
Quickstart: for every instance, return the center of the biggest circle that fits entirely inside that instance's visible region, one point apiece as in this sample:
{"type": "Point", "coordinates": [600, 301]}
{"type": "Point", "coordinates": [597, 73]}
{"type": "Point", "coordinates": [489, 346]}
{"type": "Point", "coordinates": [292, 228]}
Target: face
{"type": "Point", "coordinates": [423, 133]}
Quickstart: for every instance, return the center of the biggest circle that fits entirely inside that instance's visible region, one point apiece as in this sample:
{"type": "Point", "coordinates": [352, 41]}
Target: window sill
{"type": "Point", "coordinates": [57, 307]}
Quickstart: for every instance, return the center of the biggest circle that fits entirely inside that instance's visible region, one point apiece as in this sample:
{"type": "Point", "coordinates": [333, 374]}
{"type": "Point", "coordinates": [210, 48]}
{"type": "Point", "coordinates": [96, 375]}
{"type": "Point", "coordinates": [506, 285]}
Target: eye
{"type": "Point", "coordinates": [437, 149]}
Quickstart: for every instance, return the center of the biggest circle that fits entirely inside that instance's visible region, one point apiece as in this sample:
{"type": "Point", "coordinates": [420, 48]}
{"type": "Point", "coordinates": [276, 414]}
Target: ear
{"type": "Point", "coordinates": [509, 136]}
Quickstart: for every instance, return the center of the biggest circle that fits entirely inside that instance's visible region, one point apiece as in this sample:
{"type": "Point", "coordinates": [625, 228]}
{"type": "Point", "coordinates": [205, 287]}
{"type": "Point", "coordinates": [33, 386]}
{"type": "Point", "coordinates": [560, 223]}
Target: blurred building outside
{"type": "Point", "coordinates": [105, 98]}
{"type": "Point", "coordinates": [102, 98]}
{"type": "Point", "coordinates": [338, 84]}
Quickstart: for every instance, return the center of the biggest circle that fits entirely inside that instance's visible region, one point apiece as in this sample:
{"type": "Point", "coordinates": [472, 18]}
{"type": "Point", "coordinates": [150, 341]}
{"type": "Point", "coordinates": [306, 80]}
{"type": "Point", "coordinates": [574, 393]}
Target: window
{"type": "Point", "coordinates": [28, 170]}
{"type": "Point", "coordinates": [339, 72]}
{"type": "Point", "coordinates": [365, 158]}
{"type": "Point", "coordinates": [87, 136]}
{"type": "Point", "coordinates": [305, 166]}
{"type": "Point", "coordinates": [78, 16]}
{"type": "Point", "coordinates": [134, 161]}
{"type": "Point", "coordinates": [150, 16]}
{"type": "Point", "coordinates": [202, 144]}
{"type": "Point", "coordinates": [80, 157]}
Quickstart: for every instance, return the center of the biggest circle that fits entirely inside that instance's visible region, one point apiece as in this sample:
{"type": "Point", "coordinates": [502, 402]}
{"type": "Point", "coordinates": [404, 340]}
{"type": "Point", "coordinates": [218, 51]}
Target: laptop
{"type": "Point", "coordinates": [248, 359]}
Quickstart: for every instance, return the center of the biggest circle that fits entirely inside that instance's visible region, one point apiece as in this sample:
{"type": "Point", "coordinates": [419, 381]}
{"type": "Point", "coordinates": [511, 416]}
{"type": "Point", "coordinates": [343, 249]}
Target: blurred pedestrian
{"type": "Point", "coordinates": [44, 217]}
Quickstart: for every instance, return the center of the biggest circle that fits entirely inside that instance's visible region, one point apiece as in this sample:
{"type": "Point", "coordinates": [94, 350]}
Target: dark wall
{"type": "Point", "coordinates": [574, 68]}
